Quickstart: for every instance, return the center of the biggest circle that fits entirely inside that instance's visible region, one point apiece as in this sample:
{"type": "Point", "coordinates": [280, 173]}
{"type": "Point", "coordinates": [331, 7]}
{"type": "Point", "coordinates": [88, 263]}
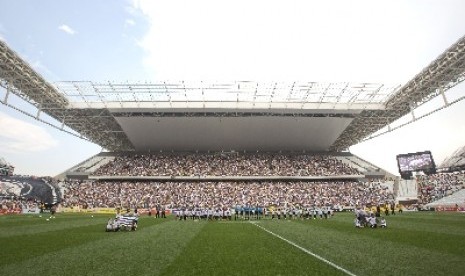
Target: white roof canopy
{"type": "Point", "coordinates": [240, 94]}
{"type": "Point", "coordinates": [106, 113]}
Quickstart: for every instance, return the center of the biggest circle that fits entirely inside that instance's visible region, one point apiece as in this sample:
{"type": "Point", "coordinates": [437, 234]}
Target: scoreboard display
{"type": "Point", "coordinates": [413, 162]}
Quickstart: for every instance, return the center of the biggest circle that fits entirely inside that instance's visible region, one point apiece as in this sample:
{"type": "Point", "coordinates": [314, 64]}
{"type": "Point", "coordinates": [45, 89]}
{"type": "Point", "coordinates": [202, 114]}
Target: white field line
{"type": "Point", "coordinates": [306, 250]}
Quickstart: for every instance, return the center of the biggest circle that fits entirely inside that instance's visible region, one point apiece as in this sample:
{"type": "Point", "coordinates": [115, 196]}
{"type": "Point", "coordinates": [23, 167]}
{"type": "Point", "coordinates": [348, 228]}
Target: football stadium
{"type": "Point", "coordinates": [233, 178]}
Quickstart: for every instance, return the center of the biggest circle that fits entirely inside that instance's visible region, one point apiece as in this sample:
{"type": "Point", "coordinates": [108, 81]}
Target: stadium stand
{"type": "Point", "coordinates": [93, 163]}
{"type": "Point", "coordinates": [454, 162]}
{"type": "Point", "coordinates": [407, 188]}
{"type": "Point", "coordinates": [11, 187]}
{"type": "Point", "coordinates": [358, 163]}
{"type": "Point", "coordinates": [88, 166]}
{"type": "Point", "coordinates": [5, 168]}
{"type": "Point", "coordinates": [433, 188]}
{"type": "Point", "coordinates": [24, 194]}
{"type": "Point", "coordinates": [276, 180]}
{"type": "Point", "coordinates": [225, 164]}
{"type": "Point", "coordinates": [244, 116]}
{"type": "Point", "coordinates": [449, 203]}
{"type": "Point", "coordinates": [89, 194]}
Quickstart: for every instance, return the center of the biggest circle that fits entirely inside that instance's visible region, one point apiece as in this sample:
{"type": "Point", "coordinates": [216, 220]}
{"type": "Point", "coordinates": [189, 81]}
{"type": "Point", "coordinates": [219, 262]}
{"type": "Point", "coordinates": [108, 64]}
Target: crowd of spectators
{"type": "Point", "coordinates": [15, 205]}
{"type": "Point", "coordinates": [8, 188]}
{"type": "Point", "coordinates": [226, 164]}
{"type": "Point", "coordinates": [10, 200]}
{"type": "Point", "coordinates": [8, 204]}
{"type": "Point", "coordinates": [23, 193]}
{"type": "Point", "coordinates": [175, 195]}
{"type": "Point", "coordinates": [436, 186]}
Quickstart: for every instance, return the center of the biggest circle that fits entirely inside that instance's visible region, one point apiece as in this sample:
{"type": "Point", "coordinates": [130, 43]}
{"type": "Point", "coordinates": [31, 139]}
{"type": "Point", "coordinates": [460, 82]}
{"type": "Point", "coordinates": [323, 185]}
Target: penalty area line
{"type": "Point", "coordinates": [306, 251]}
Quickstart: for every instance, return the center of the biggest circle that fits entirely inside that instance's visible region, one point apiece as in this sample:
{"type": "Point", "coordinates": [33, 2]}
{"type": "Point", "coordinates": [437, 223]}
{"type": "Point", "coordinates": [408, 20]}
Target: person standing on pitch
{"type": "Point", "coordinates": [393, 205]}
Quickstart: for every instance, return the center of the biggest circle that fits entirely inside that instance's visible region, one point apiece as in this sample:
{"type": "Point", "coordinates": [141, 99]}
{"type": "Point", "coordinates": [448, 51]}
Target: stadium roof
{"type": "Point", "coordinates": [240, 94]}
{"type": "Point", "coordinates": [223, 116]}
{"type": "Point", "coordinates": [455, 160]}
{"type": "Point", "coordinates": [3, 163]}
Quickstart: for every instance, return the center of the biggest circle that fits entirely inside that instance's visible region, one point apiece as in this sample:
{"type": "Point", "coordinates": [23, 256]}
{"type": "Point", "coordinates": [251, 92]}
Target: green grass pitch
{"type": "Point", "coordinates": [422, 243]}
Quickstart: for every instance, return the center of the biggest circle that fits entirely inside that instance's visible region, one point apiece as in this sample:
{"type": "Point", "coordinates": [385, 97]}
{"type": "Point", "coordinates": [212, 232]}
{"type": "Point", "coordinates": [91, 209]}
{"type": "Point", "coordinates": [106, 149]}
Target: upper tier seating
{"type": "Point", "coordinates": [226, 165]}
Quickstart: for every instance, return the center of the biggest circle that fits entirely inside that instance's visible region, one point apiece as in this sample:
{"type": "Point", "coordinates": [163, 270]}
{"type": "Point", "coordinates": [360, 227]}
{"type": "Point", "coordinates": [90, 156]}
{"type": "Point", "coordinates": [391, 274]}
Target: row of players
{"type": "Point", "coordinates": [252, 213]}
{"type": "Point", "coordinates": [370, 219]}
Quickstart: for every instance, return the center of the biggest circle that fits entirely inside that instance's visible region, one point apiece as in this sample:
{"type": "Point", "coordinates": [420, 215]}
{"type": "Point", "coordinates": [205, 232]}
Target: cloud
{"type": "Point", "coordinates": [67, 29]}
{"type": "Point", "coordinates": [129, 22]}
{"type": "Point", "coordinates": [270, 41]}
{"type": "Point", "coordinates": [18, 136]}
{"type": "Point", "coordinates": [287, 41]}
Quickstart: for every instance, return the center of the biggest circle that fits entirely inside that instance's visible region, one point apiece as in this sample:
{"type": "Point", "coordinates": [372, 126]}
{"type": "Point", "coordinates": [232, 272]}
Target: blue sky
{"type": "Point", "coordinates": [355, 41]}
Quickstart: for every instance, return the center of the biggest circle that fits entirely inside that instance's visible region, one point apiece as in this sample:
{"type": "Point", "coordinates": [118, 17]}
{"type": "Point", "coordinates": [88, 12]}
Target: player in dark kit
{"type": "Point", "coordinates": [392, 208]}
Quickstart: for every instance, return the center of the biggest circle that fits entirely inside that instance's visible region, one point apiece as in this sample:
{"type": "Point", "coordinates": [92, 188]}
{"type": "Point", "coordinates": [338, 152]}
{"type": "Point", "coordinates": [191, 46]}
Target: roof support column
{"type": "Point", "coordinates": [444, 98]}
{"type": "Point", "coordinates": [38, 112]}
{"type": "Point", "coordinates": [8, 89]}
{"type": "Point", "coordinates": [412, 108]}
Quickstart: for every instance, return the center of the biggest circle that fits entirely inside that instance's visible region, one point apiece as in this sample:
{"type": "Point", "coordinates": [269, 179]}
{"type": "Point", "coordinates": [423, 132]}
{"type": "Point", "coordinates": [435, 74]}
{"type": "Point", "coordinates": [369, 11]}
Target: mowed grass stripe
{"type": "Point", "coordinates": [413, 244]}
{"type": "Point", "coordinates": [449, 218]}
{"type": "Point", "coordinates": [34, 236]}
{"type": "Point", "coordinates": [306, 250]}
{"type": "Point", "coordinates": [19, 248]}
{"type": "Point", "coordinates": [243, 249]}
{"type": "Point", "coordinates": [366, 251]}
{"type": "Point", "coordinates": [403, 231]}
{"type": "Point", "coordinates": [11, 221]}
{"type": "Point", "coordinates": [34, 225]}
{"type": "Point", "coordinates": [144, 252]}
{"type": "Point", "coordinates": [441, 223]}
